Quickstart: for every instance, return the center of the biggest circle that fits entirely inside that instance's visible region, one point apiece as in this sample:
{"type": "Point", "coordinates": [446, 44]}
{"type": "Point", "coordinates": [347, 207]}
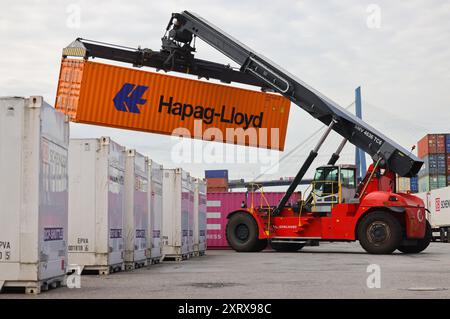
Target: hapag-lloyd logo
{"type": "Point", "coordinates": [130, 95]}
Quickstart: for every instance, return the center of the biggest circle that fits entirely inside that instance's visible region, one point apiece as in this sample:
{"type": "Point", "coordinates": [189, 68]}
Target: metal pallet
{"type": "Point", "coordinates": [31, 287]}
{"type": "Point", "coordinates": [177, 257]}
{"type": "Point", "coordinates": [101, 270]}
{"type": "Point", "coordinates": [135, 265]}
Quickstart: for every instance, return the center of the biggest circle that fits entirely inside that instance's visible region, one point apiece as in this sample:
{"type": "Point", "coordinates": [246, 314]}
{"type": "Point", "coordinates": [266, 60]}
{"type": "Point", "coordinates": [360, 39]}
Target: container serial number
{"type": "Point", "coordinates": [5, 255]}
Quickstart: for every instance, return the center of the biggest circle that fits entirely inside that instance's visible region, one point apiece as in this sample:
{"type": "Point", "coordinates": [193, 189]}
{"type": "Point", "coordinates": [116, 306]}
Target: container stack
{"type": "Point", "coordinates": [216, 181]}
{"type": "Point", "coordinates": [407, 185]}
{"type": "Point", "coordinates": [434, 150]}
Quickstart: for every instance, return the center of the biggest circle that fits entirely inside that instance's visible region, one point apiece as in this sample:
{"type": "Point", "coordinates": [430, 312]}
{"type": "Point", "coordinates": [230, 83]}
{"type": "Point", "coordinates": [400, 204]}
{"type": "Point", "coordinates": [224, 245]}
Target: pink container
{"type": "Point", "coordinates": [219, 205]}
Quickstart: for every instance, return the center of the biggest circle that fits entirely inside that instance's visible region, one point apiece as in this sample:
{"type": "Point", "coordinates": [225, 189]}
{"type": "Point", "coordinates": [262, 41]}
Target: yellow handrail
{"type": "Point", "coordinates": [263, 197]}
{"type": "Point", "coordinates": [301, 206]}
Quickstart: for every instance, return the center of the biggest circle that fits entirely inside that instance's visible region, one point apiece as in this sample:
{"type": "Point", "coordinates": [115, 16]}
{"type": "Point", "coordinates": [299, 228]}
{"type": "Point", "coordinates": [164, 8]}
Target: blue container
{"type": "Point", "coordinates": [434, 164]}
{"type": "Point", "coordinates": [447, 143]}
{"type": "Point", "coordinates": [218, 173]}
{"type": "Point", "coordinates": [441, 164]}
{"type": "Point", "coordinates": [414, 184]}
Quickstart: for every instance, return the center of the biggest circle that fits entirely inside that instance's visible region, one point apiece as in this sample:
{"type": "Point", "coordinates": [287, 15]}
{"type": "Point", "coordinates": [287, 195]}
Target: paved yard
{"type": "Point", "coordinates": [334, 270]}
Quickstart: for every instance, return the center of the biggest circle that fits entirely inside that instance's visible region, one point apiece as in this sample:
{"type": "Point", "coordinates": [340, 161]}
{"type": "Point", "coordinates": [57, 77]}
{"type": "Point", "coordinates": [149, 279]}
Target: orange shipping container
{"type": "Point", "coordinates": [217, 182]}
{"type": "Point", "coordinates": [217, 190]}
{"type": "Point", "coordinates": [102, 94]}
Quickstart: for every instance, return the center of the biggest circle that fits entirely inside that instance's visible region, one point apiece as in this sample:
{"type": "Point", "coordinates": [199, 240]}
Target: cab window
{"type": "Point", "coordinates": [348, 178]}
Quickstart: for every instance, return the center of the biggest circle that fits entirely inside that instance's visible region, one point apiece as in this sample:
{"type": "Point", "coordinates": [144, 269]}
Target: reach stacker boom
{"type": "Point", "coordinates": [336, 208]}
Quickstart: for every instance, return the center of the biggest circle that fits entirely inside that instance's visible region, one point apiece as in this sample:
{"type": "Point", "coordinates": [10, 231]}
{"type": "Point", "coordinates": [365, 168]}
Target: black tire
{"type": "Point", "coordinates": [379, 233]}
{"type": "Point", "coordinates": [263, 243]}
{"type": "Point", "coordinates": [242, 233]}
{"type": "Point", "coordinates": [442, 237]}
{"type": "Point", "coordinates": [287, 247]}
{"type": "Point", "coordinates": [421, 245]}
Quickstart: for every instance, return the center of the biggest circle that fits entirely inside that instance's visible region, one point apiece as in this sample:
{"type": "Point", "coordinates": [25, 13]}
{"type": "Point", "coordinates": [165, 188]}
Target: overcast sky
{"type": "Point", "coordinates": [397, 51]}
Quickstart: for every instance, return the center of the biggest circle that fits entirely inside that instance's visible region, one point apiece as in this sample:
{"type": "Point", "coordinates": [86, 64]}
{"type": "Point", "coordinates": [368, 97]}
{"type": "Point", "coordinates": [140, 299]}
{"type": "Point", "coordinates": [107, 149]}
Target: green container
{"type": "Point", "coordinates": [430, 182]}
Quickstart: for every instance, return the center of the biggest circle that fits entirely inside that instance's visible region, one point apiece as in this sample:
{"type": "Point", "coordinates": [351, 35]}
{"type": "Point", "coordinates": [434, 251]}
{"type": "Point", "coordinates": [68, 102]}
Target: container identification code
{"type": "Point", "coordinates": [82, 245]}
{"type": "Point", "coordinates": [5, 250]}
{"type": "Point", "coordinates": [115, 233]}
{"type": "Point", "coordinates": [140, 233]}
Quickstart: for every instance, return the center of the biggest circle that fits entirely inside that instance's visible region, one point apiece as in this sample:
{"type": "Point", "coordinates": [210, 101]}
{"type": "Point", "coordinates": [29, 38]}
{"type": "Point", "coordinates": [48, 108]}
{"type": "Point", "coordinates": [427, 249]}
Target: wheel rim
{"type": "Point", "coordinates": [378, 232]}
{"type": "Point", "coordinates": [242, 232]}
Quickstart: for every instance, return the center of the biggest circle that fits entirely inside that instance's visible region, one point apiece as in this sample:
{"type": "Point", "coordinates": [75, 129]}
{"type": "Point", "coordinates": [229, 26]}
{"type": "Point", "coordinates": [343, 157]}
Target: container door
{"type": "Point", "coordinates": [202, 218]}
{"type": "Point", "coordinates": [156, 211]}
{"type": "Point", "coordinates": [191, 218]}
{"type": "Point", "coordinates": [140, 208]}
{"type": "Point", "coordinates": [115, 203]}
{"type": "Point", "coordinates": [53, 195]}
{"type": "Point", "coordinates": [11, 158]}
{"type": "Point", "coordinates": [185, 204]}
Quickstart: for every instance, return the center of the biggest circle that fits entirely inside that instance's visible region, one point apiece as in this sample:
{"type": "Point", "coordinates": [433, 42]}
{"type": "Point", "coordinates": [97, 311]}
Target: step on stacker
{"type": "Point", "coordinates": [337, 208]}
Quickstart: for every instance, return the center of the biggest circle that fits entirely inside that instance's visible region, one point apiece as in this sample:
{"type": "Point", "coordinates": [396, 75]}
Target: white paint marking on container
{"type": "Point", "coordinates": [214, 227]}
{"type": "Point", "coordinates": [214, 215]}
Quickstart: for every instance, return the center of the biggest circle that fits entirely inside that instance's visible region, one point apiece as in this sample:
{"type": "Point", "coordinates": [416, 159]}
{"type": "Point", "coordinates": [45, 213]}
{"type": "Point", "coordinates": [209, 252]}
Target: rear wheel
{"type": "Point", "coordinates": [379, 233]}
{"type": "Point", "coordinates": [287, 247]}
{"type": "Point", "coordinates": [421, 244]}
{"type": "Point", "coordinates": [242, 233]}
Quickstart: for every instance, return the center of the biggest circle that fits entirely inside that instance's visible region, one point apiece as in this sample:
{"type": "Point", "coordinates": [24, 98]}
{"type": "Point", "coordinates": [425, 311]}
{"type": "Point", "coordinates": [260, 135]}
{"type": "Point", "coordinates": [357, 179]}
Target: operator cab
{"type": "Point", "coordinates": [332, 185]}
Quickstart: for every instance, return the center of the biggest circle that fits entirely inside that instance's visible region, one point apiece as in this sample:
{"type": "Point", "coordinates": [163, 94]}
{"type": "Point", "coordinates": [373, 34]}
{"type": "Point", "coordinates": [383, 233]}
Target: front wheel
{"type": "Point", "coordinates": [421, 244]}
{"type": "Point", "coordinates": [379, 233]}
{"type": "Point", "coordinates": [242, 233]}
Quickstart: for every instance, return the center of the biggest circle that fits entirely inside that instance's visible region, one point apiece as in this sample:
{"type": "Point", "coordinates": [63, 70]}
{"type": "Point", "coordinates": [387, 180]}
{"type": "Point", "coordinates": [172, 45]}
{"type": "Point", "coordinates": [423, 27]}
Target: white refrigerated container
{"type": "Point", "coordinates": [136, 213]}
{"type": "Point", "coordinates": [176, 190]}
{"type": "Point", "coordinates": [96, 204]}
{"type": "Point", "coordinates": [34, 140]}
{"type": "Point", "coordinates": [199, 217]}
{"type": "Point", "coordinates": [155, 173]}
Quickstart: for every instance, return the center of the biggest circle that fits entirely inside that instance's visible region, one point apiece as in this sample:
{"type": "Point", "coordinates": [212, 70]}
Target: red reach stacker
{"type": "Point", "coordinates": [337, 208]}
